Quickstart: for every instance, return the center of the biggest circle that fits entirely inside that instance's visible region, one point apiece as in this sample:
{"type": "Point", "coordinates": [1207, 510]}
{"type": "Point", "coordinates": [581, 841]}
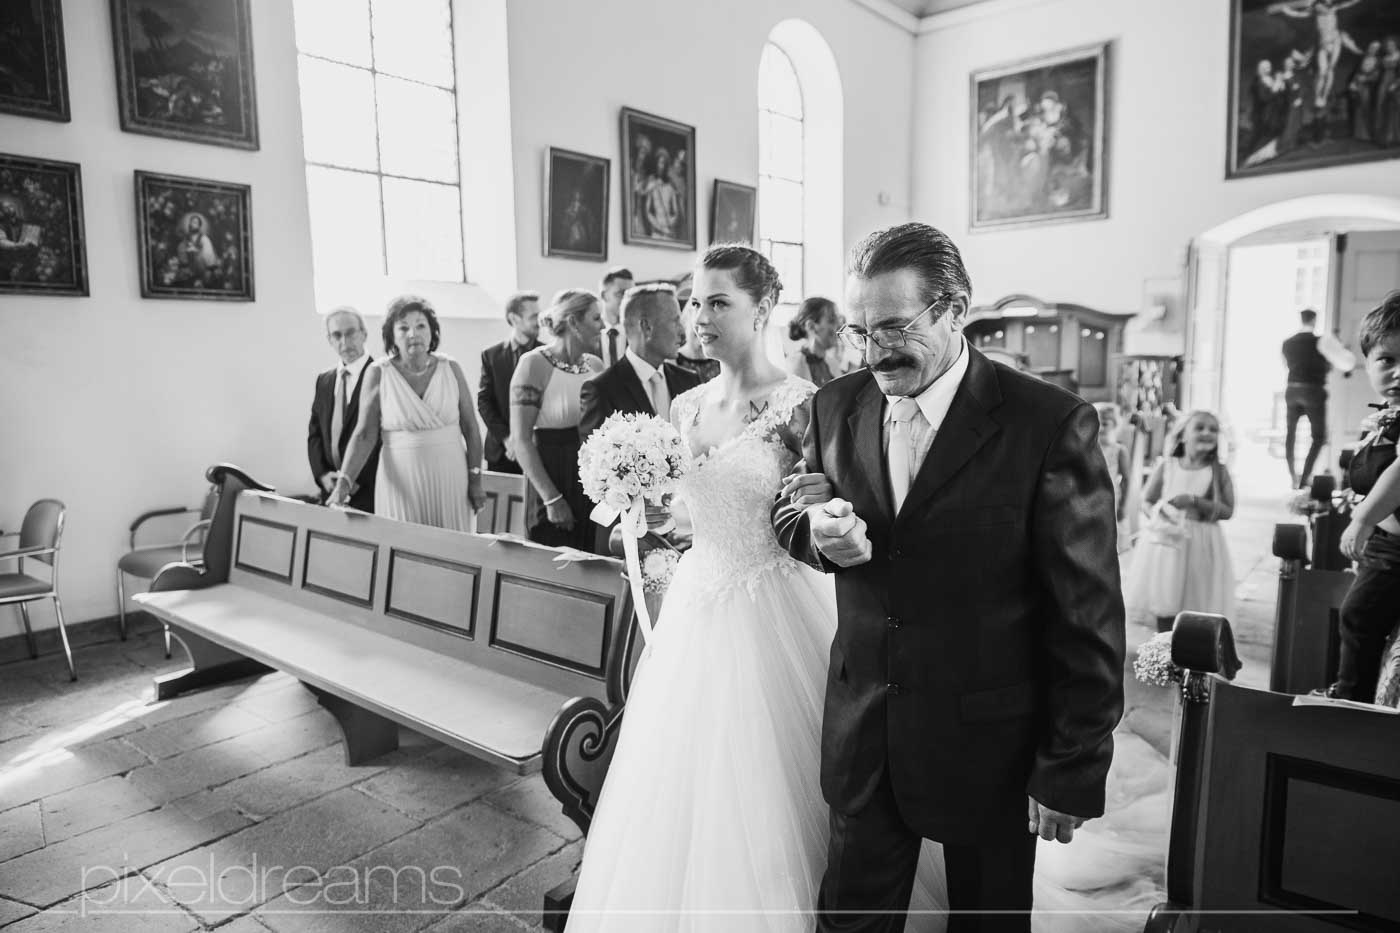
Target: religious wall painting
{"type": "Point", "coordinates": [1312, 83]}
{"type": "Point", "coordinates": [42, 248]}
{"type": "Point", "coordinates": [196, 238]}
{"type": "Point", "coordinates": [658, 181]}
{"type": "Point", "coordinates": [1039, 132]}
{"type": "Point", "coordinates": [576, 205]}
{"type": "Point", "coordinates": [732, 213]}
{"type": "Point", "coordinates": [33, 72]}
{"type": "Point", "coordinates": [185, 70]}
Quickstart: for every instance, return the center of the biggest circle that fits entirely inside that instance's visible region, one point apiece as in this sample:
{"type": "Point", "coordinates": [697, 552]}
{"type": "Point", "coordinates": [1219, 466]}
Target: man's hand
{"type": "Point", "coordinates": [1051, 824]}
{"type": "Point", "coordinates": [327, 480]}
{"type": "Point", "coordinates": [838, 533]}
{"type": "Point", "coordinates": [803, 489]}
{"type": "Point", "coordinates": [510, 449]}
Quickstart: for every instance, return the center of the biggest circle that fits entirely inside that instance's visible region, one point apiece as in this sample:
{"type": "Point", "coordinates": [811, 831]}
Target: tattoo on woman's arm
{"type": "Point", "coordinates": [526, 396]}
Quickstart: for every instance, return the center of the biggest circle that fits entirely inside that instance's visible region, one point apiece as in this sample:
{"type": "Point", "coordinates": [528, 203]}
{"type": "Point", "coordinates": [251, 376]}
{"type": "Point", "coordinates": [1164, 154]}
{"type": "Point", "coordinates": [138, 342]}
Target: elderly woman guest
{"type": "Point", "coordinates": [814, 327]}
{"type": "Point", "coordinates": [544, 414]}
{"type": "Point", "coordinates": [417, 402]}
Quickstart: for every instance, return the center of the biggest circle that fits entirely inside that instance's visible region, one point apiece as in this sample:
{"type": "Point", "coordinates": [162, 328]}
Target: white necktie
{"type": "Point", "coordinates": [656, 388]}
{"type": "Point", "coordinates": [901, 450]}
{"type": "Point", "coordinates": [342, 395]}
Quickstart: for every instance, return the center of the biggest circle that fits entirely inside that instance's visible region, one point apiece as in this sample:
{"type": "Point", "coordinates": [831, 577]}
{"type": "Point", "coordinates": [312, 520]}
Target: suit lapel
{"type": "Point", "coordinates": [864, 424]}
{"type": "Point", "coordinates": [678, 380]}
{"type": "Point", "coordinates": [966, 428]}
{"type": "Point", "coordinates": [352, 404]}
{"type": "Point", "coordinates": [633, 386]}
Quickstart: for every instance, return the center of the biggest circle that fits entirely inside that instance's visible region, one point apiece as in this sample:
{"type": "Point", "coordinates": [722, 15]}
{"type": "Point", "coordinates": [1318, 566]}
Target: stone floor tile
{"type": "Point", "coordinates": [285, 701]}
{"type": "Point", "coordinates": [18, 687]}
{"type": "Point", "coordinates": [436, 782]}
{"type": "Point", "coordinates": [21, 831]}
{"type": "Point", "coordinates": [281, 786]}
{"type": "Point", "coordinates": [194, 731]}
{"type": "Point", "coordinates": [522, 895]}
{"type": "Point", "coordinates": [479, 917]}
{"type": "Point", "coordinates": [92, 806]}
{"type": "Point", "coordinates": [130, 905]}
{"type": "Point", "coordinates": [63, 869]}
{"type": "Point", "coordinates": [14, 726]}
{"type": "Point", "coordinates": [249, 868]}
{"type": "Point", "coordinates": [530, 799]}
{"type": "Point", "coordinates": [75, 706]}
{"type": "Point", "coordinates": [49, 767]}
{"type": "Point", "coordinates": [10, 911]}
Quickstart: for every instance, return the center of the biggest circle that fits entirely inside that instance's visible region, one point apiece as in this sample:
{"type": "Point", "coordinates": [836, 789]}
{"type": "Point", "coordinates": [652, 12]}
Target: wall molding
{"type": "Point", "coordinates": [892, 13]}
{"type": "Point", "coordinates": [963, 15]}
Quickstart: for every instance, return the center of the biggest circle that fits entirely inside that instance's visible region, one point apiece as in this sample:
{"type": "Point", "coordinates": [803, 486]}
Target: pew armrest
{"type": "Point", "coordinates": [1203, 644]}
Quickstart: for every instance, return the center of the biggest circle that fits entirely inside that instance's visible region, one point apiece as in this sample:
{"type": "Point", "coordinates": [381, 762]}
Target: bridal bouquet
{"type": "Point", "coordinates": [1153, 664]}
{"type": "Point", "coordinates": [630, 461]}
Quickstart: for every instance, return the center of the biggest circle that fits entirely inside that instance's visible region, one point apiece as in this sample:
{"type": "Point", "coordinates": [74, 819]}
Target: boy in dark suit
{"type": "Point", "coordinates": [335, 409]}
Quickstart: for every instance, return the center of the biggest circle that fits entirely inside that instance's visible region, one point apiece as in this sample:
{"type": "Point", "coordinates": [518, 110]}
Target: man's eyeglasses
{"type": "Point", "coordinates": [887, 338]}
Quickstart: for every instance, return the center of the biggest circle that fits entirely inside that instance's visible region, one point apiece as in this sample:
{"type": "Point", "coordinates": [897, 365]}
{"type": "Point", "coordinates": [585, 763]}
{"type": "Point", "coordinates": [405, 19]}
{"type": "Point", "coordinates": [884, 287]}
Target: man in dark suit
{"type": "Point", "coordinates": [335, 409]}
{"type": "Point", "coordinates": [613, 341]}
{"type": "Point", "coordinates": [497, 366]}
{"type": "Point", "coordinates": [643, 380]}
{"type": "Point", "coordinates": [976, 675]}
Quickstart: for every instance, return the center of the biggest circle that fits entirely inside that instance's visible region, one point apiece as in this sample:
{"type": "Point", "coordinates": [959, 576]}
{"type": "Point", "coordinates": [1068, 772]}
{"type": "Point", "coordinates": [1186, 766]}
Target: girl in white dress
{"type": "Point", "coordinates": [1181, 561]}
{"type": "Point", "coordinates": [416, 402]}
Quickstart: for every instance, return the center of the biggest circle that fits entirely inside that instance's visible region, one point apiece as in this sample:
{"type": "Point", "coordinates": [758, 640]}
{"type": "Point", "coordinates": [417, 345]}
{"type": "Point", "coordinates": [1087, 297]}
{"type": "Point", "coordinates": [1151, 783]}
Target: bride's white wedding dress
{"type": "Point", "coordinates": [711, 817]}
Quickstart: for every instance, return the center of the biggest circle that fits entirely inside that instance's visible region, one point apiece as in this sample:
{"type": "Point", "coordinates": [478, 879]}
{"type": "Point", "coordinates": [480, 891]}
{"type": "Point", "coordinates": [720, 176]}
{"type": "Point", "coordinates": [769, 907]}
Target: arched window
{"type": "Point", "coordinates": [780, 168]}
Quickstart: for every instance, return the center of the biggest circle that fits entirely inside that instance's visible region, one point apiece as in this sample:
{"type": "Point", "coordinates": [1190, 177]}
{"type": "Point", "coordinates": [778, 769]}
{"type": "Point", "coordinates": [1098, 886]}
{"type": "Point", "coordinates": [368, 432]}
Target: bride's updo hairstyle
{"type": "Point", "coordinates": [567, 307]}
{"type": "Point", "coordinates": [751, 269]}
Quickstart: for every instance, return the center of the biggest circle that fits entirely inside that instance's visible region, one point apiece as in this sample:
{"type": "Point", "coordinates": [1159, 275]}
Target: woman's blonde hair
{"type": "Point", "coordinates": [1176, 445]}
{"type": "Point", "coordinates": [568, 306]}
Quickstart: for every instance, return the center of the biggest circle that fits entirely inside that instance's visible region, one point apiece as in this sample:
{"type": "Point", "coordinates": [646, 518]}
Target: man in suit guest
{"type": "Point", "coordinates": [335, 409]}
{"type": "Point", "coordinates": [497, 366]}
{"type": "Point", "coordinates": [643, 380]}
{"type": "Point", "coordinates": [614, 286]}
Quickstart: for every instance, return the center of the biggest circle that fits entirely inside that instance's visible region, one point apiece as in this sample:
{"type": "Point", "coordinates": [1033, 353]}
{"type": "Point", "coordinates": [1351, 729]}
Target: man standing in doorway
{"type": "Point", "coordinates": [1309, 357]}
{"type": "Point", "coordinates": [614, 341]}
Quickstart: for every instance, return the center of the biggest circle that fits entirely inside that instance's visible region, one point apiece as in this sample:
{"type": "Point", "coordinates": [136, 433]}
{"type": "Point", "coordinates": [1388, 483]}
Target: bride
{"type": "Point", "coordinates": [711, 817]}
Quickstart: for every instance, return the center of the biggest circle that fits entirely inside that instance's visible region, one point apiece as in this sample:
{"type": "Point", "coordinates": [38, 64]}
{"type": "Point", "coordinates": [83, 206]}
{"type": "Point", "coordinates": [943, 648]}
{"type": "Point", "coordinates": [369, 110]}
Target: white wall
{"type": "Point", "coordinates": [116, 404]}
{"type": "Point", "coordinates": [1166, 148]}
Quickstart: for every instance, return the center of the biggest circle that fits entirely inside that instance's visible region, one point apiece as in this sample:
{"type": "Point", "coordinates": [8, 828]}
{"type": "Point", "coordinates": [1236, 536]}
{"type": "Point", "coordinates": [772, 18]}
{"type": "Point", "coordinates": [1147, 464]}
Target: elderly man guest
{"type": "Point", "coordinates": [612, 343]}
{"type": "Point", "coordinates": [498, 364]}
{"type": "Point", "coordinates": [335, 408]}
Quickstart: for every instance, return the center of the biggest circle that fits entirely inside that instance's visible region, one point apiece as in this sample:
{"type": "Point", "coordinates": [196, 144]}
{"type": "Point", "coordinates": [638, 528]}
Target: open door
{"type": "Point", "coordinates": [1206, 276]}
{"type": "Point", "coordinates": [1365, 268]}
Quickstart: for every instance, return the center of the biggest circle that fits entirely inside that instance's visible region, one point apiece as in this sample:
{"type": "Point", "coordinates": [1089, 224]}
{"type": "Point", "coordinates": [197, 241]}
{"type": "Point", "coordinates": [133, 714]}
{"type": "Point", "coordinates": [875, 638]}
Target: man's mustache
{"type": "Point", "coordinates": [892, 364]}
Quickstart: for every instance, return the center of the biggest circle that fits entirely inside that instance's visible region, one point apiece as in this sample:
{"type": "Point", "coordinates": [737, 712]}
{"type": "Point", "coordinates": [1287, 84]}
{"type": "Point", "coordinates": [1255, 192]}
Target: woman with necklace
{"type": "Point", "coordinates": [545, 410]}
{"type": "Point", "coordinates": [417, 402]}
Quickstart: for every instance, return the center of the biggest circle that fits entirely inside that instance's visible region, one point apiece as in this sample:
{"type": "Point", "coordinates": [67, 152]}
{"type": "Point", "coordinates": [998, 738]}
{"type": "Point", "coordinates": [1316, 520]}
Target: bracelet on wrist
{"type": "Point", "coordinates": [548, 502]}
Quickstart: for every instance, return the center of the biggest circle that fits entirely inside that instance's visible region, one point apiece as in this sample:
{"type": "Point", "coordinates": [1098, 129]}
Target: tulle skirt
{"type": "Point", "coordinates": [423, 479]}
{"type": "Point", "coordinates": [712, 817]}
{"type": "Point", "coordinates": [1193, 574]}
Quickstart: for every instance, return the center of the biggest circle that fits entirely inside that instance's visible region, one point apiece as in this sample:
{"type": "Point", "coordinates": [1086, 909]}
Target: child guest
{"type": "Point", "coordinates": [1181, 561]}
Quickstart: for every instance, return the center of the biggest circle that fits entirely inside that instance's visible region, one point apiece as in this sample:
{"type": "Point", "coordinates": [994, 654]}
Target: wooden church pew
{"type": "Point", "coordinates": [474, 641]}
{"type": "Point", "coordinates": [1286, 818]}
{"type": "Point", "coordinates": [1306, 633]}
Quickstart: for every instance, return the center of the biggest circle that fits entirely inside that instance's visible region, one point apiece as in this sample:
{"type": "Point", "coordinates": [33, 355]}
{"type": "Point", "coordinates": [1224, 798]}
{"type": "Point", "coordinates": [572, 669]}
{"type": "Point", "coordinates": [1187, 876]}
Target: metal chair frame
{"type": "Point", "coordinates": [198, 528]}
{"type": "Point", "coordinates": [40, 553]}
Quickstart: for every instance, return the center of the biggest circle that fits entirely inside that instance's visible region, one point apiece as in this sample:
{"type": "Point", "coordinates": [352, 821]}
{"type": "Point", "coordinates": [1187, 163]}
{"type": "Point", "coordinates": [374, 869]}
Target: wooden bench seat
{"type": "Point", "coordinates": [472, 640]}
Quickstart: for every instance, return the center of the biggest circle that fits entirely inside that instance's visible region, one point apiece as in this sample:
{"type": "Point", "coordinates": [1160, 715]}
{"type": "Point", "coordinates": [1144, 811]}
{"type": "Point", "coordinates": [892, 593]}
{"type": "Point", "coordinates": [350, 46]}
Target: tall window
{"type": "Point", "coordinates": [781, 169]}
{"type": "Point", "coordinates": [379, 119]}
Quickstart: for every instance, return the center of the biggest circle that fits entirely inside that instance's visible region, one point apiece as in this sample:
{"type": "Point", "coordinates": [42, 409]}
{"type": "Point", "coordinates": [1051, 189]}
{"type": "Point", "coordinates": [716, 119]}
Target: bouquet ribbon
{"type": "Point", "coordinates": [633, 520]}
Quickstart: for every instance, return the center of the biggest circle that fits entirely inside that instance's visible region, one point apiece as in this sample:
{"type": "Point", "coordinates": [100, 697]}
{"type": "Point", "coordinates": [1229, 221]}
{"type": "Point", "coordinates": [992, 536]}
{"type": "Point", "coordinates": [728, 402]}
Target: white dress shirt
{"type": "Point", "coordinates": [339, 402]}
{"type": "Point", "coordinates": [655, 389]}
{"type": "Point", "coordinates": [934, 403]}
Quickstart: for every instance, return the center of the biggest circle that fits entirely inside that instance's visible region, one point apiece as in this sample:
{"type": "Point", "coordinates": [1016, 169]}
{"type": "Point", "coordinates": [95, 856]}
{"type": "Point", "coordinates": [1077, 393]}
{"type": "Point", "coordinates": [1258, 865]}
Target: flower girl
{"type": "Point", "coordinates": [1181, 561]}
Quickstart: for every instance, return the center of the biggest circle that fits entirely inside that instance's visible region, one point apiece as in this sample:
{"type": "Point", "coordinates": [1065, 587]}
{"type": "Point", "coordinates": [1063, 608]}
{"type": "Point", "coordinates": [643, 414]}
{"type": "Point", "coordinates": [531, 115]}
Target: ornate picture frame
{"type": "Point", "coordinates": [658, 181]}
{"type": "Point", "coordinates": [576, 190]}
{"type": "Point", "coordinates": [1040, 140]}
{"type": "Point", "coordinates": [36, 66]}
{"type": "Point", "coordinates": [196, 238]}
{"type": "Point", "coordinates": [185, 70]}
{"type": "Point", "coordinates": [43, 249]}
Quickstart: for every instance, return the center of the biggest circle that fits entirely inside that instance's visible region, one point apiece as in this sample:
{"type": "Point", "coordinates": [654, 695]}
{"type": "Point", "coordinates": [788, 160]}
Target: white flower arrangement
{"type": "Point", "coordinates": [658, 567]}
{"type": "Point", "coordinates": [631, 458]}
{"type": "Point", "coordinates": [1153, 664]}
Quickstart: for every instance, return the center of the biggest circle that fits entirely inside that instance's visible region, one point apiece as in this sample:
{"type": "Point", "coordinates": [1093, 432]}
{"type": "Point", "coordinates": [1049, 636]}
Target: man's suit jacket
{"type": "Point", "coordinates": [979, 653]}
{"type": "Point", "coordinates": [618, 388]}
{"type": "Point", "coordinates": [493, 396]}
{"type": "Point", "coordinates": [318, 437]}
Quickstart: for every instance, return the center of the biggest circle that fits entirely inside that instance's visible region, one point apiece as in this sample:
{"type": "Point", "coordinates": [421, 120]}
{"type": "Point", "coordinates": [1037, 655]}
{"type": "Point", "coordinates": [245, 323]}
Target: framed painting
{"type": "Point", "coordinates": [576, 205]}
{"type": "Point", "coordinates": [196, 238]}
{"type": "Point", "coordinates": [42, 248]}
{"type": "Point", "coordinates": [1312, 83]}
{"type": "Point", "coordinates": [1039, 131]}
{"type": "Point", "coordinates": [658, 181]}
{"type": "Point", "coordinates": [185, 70]}
{"type": "Point", "coordinates": [733, 213]}
{"type": "Point", "coordinates": [33, 70]}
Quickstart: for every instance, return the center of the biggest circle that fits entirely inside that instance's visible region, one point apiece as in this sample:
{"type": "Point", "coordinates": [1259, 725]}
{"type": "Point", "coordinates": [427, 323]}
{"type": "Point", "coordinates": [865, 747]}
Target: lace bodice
{"type": "Point", "coordinates": [729, 491]}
